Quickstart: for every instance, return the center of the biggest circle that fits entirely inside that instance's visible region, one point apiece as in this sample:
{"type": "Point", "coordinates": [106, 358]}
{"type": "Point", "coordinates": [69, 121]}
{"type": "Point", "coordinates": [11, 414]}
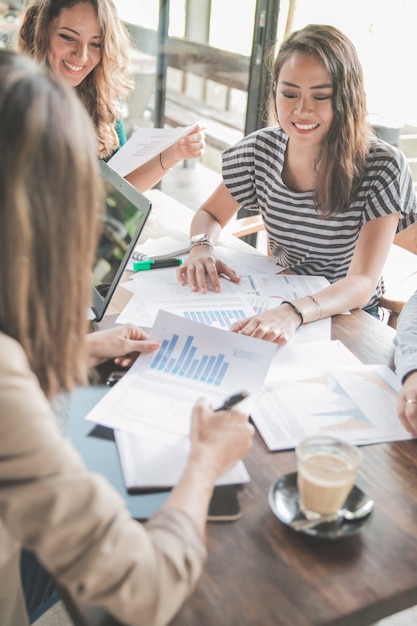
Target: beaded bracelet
{"type": "Point", "coordinates": [317, 304]}
{"type": "Point", "coordinates": [296, 309]}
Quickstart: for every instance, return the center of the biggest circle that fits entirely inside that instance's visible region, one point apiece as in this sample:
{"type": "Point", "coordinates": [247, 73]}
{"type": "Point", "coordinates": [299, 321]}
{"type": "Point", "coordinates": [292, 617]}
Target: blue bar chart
{"type": "Point", "coordinates": [253, 290]}
{"type": "Point", "coordinates": [188, 362]}
{"type": "Point", "coordinates": [219, 318]}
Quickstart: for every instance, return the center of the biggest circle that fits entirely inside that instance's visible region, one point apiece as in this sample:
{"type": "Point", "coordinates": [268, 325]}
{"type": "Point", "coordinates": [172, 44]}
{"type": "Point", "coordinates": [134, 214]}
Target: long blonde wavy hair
{"type": "Point", "coordinates": [105, 88]}
{"type": "Point", "coordinates": [50, 203]}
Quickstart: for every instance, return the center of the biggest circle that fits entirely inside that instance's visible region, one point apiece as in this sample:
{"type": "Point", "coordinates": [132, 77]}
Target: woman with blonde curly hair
{"type": "Point", "coordinates": [85, 43]}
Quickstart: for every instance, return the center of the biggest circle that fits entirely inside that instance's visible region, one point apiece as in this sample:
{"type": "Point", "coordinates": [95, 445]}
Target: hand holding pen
{"type": "Point", "coordinates": [219, 437]}
{"type": "Point", "coordinates": [229, 403]}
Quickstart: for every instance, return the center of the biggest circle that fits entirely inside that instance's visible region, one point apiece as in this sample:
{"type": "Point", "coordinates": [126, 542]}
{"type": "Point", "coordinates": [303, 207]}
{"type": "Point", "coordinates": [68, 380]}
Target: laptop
{"type": "Point", "coordinates": [127, 211]}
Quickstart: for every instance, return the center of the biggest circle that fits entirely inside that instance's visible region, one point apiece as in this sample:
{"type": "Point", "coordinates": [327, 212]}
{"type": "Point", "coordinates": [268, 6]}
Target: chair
{"type": "Point", "coordinates": [400, 270]}
{"type": "Point", "coordinates": [250, 225]}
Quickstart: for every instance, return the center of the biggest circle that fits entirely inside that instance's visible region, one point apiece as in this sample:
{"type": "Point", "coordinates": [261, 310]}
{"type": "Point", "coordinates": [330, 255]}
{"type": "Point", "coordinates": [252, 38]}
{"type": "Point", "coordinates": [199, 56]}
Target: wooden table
{"type": "Point", "coordinates": [261, 573]}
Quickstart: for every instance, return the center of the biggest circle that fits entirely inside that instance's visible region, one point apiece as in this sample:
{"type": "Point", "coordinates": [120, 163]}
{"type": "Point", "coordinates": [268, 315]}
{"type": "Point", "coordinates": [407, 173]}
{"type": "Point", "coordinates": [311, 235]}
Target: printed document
{"type": "Point", "coordinates": [145, 144]}
{"type": "Point", "coordinates": [160, 289]}
{"type": "Point", "coordinates": [155, 397]}
{"type": "Point", "coordinates": [150, 464]}
{"type": "Point", "coordinates": [357, 403]}
{"type": "Point", "coordinates": [260, 288]}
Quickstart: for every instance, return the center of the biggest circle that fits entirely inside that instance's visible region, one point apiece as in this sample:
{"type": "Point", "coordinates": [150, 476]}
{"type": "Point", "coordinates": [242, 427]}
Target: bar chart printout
{"type": "Point", "coordinates": [156, 395]}
{"type": "Point", "coordinates": [208, 368]}
{"type": "Point", "coordinates": [221, 318]}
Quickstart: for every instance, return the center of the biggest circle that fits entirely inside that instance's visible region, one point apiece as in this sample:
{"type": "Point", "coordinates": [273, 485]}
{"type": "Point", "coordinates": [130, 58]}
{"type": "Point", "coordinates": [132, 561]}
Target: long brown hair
{"type": "Point", "coordinates": [50, 199]}
{"type": "Point", "coordinates": [342, 161]}
{"type": "Point", "coordinates": [104, 89]}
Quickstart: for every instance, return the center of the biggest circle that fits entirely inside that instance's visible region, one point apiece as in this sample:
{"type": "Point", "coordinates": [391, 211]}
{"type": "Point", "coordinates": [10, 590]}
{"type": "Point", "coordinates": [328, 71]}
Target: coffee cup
{"type": "Point", "coordinates": [326, 472]}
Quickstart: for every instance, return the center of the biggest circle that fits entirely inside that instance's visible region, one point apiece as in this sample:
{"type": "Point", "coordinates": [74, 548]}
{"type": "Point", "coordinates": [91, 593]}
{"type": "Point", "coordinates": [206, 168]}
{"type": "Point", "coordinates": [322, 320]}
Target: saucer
{"type": "Point", "coordinates": [284, 501]}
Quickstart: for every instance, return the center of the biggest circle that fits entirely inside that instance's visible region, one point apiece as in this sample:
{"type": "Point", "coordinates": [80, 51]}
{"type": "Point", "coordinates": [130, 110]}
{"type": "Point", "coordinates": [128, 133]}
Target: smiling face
{"type": "Point", "coordinates": [304, 99]}
{"type": "Point", "coordinates": [74, 43]}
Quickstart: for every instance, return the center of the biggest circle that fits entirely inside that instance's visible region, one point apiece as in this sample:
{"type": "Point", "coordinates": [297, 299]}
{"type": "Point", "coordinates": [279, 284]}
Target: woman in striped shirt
{"type": "Point", "coordinates": [332, 195]}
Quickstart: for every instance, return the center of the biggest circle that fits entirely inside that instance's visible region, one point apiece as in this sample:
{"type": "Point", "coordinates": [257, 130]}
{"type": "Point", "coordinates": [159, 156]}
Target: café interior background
{"type": "Point", "coordinates": [383, 31]}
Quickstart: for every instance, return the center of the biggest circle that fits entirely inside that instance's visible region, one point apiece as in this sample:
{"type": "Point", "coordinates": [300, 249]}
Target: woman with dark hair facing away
{"type": "Point", "coordinates": [74, 522]}
{"type": "Point", "coordinates": [331, 194]}
{"type": "Point", "coordinates": [85, 43]}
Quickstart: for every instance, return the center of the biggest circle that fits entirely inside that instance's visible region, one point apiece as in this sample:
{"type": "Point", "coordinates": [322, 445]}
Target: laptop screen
{"type": "Point", "coordinates": [126, 212]}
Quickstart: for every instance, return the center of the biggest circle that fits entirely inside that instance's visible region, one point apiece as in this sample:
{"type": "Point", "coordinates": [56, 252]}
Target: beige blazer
{"type": "Point", "coordinates": [74, 520]}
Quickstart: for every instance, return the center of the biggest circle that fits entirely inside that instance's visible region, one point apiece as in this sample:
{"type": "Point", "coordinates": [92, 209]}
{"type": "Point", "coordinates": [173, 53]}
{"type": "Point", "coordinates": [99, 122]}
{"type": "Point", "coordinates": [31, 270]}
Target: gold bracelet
{"type": "Point", "coordinates": [317, 304]}
{"type": "Point", "coordinates": [166, 169]}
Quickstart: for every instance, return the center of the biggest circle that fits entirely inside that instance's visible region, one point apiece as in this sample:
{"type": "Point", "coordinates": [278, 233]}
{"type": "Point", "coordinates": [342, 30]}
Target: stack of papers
{"type": "Point", "coordinates": [261, 287]}
{"type": "Point", "coordinates": [149, 464]}
{"type": "Point", "coordinates": [311, 385]}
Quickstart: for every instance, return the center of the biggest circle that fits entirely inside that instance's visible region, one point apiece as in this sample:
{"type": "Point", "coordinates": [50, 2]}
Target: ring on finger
{"type": "Point", "coordinates": [411, 401]}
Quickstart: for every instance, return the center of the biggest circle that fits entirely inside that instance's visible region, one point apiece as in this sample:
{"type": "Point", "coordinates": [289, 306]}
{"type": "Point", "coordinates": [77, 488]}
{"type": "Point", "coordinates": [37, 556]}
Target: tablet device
{"type": "Point", "coordinates": [125, 215]}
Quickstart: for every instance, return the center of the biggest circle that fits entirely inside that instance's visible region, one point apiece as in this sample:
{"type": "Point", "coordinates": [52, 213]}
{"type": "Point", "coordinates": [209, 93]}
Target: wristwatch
{"type": "Point", "coordinates": [200, 239]}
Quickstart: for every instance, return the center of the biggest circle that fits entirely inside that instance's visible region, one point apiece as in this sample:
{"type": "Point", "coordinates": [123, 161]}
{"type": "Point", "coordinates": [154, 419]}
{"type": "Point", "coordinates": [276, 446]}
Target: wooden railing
{"type": "Point", "coordinates": [224, 126]}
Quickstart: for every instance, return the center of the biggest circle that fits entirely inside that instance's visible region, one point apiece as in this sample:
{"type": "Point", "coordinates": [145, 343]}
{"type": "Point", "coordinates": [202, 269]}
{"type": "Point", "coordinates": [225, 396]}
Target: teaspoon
{"type": "Point", "coordinates": [363, 509]}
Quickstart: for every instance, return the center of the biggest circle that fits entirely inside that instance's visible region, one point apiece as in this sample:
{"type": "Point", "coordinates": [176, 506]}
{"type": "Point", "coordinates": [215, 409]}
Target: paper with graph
{"type": "Point", "coordinates": [155, 397]}
{"type": "Point", "coordinates": [355, 402]}
{"type": "Point", "coordinates": [258, 290]}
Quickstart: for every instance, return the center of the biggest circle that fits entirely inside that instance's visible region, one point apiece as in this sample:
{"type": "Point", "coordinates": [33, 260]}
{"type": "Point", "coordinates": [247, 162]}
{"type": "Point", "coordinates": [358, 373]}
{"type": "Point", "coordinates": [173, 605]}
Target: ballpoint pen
{"type": "Point", "coordinates": [229, 403]}
{"type": "Point", "coordinates": [151, 264]}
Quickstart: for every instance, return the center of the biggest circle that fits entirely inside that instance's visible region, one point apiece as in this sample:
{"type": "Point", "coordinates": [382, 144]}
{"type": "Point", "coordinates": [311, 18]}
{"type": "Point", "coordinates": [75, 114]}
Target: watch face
{"type": "Point", "coordinates": [198, 238]}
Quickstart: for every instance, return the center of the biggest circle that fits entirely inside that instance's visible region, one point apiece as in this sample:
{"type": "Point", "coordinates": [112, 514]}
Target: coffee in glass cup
{"type": "Point", "coordinates": [327, 469]}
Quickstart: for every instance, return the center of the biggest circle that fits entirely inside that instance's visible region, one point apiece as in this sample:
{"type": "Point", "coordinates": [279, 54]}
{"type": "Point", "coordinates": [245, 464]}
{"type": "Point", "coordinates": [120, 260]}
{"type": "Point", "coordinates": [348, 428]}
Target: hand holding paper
{"type": "Point", "coordinates": [155, 397]}
{"type": "Point", "coordinates": [145, 144]}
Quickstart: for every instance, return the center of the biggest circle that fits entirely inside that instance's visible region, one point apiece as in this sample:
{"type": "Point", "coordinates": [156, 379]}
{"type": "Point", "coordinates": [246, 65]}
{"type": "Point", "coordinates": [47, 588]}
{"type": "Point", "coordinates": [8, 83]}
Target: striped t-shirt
{"type": "Point", "coordinates": [300, 238]}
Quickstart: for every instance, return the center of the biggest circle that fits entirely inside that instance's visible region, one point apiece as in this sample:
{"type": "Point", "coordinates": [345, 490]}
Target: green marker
{"type": "Point", "coordinates": [150, 264]}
